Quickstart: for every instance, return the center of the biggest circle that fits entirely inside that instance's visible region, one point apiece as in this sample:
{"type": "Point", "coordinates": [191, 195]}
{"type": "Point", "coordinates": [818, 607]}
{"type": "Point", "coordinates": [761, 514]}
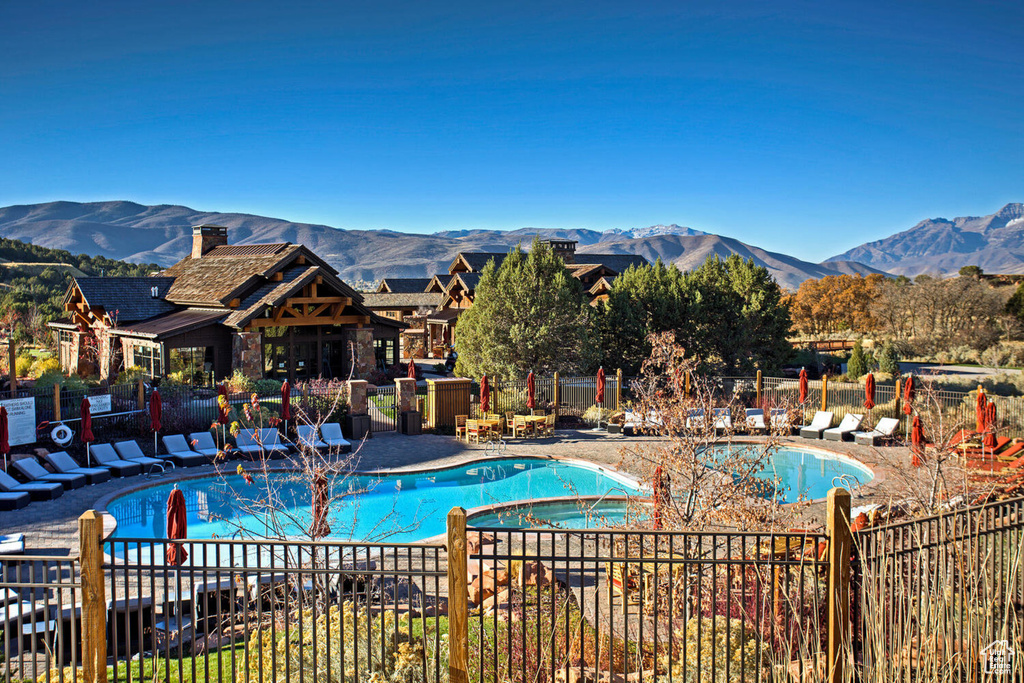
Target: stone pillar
{"type": "Point", "coordinates": [410, 421]}
{"type": "Point", "coordinates": [103, 352]}
{"type": "Point", "coordinates": [247, 354]}
{"type": "Point", "coordinates": [361, 345]}
{"type": "Point", "coordinates": [75, 353]}
{"type": "Point", "coordinates": [357, 422]}
{"type": "Point", "coordinates": [128, 350]}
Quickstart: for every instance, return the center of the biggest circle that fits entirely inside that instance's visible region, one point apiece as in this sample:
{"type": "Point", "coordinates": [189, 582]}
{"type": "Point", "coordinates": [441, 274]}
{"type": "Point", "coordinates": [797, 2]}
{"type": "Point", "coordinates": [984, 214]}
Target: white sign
{"type": "Point", "coordinates": [998, 657]}
{"type": "Point", "coordinates": [21, 420]}
{"type": "Point", "coordinates": [99, 403]}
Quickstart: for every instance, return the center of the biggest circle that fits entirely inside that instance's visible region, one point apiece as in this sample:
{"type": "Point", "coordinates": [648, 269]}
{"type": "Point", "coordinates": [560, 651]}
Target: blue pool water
{"type": "Point", "coordinates": [411, 507]}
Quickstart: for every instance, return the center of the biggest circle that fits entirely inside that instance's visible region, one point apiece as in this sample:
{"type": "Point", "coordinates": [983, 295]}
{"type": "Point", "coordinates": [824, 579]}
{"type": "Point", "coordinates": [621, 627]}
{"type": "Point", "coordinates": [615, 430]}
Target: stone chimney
{"type": "Point", "coordinates": [566, 249]}
{"type": "Point", "coordinates": [206, 237]}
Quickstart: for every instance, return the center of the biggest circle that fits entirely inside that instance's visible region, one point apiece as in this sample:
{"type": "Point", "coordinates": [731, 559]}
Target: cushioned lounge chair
{"type": "Point", "coordinates": [822, 421]}
{"type": "Point", "coordinates": [844, 432]}
{"type": "Point", "coordinates": [249, 443]}
{"type": "Point", "coordinates": [14, 501]}
{"type": "Point", "coordinates": [271, 439]}
{"type": "Point", "coordinates": [723, 419]}
{"type": "Point", "coordinates": [695, 419]}
{"type": "Point", "coordinates": [202, 442]}
{"type": "Point", "coordinates": [309, 437]}
{"type": "Point", "coordinates": [883, 431]}
{"type": "Point", "coordinates": [755, 420]}
{"type": "Point", "coordinates": [106, 456]}
{"type": "Point", "coordinates": [129, 450]}
{"type": "Point", "coordinates": [33, 471]}
{"type": "Point", "coordinates": [39, 490]}
{"type": "Point", "coordinates": [780, 420]}
{"type": "Point", "coordinates": [12, 544]}
{"type": "Point", "coordinates": [180, 454]}
{"type": "Point", "coordinates": [331, 433]}
{"type": "Point", "coordinates": [65, 464]}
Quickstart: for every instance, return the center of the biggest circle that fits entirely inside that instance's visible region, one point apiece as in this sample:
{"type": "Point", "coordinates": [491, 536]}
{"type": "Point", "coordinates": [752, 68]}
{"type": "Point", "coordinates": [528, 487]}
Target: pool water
{"type": "Point", "coordinates": [584, 514]}
{"type": "Point", "coordinates": [805, 474]}
{"type": "Point", "coordinates": [400, 508]}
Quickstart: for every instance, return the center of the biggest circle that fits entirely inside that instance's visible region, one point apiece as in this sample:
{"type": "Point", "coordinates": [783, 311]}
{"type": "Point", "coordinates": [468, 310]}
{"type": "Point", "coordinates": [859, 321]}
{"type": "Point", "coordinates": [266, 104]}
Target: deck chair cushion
{"type": "Point", "coordinates": [33, 471]}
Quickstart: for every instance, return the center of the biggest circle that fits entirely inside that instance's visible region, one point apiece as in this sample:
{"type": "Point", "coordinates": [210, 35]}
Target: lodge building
{"type": "Point", "coordinates": [267, 310]}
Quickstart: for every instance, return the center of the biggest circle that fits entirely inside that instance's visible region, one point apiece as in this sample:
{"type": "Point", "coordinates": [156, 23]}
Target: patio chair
{"type": "Point", "coordinates": [14, 501]}
{"type": "Point", "coordinates": [822, 421]}
{"type": "Point", "coordinates": [331, 433]}
{"type": "Point", "coordinates": [129, 450]}
{"type": "Point", "coordinates": [104, 454]}
{"type": "Point", "coordinates": [309, 437]}
{"type": "Point", "coordinates": [272, 440]}
{"type": "Point", "coordinates": [460, 427]}
{"type": "Point", "coordinates": [548, 429]}
{"type": "Point", "coordinates": [39, 490]}
{"type": "Point", "coordinates": [695, 419]}
{"type": "Point", "coordinates": [12, 544]}
{"type": "Point", "coordinates": [510, 417]}
{"type": "Point", "coordinates": [844, 432]}
{"type": "Point", "coordinates": [723, 419]}
{"type": "Point", "coordinates": [755, 420]}
{"type": "Point", "coordinates": [33, 471]}
{"type": "Point", "coordinates": [520, 427]}
{"type": "Point", "coordinates": [885, 430]}
{"type": "Point", "coordinates": [539, 412]}
{"type": "Point", "coordinates": [477, 432]}
{"type": "Point", "coordinates": [780, 420]}
{"type": "Point", "coordinates": [249, 442]}
{"type": "Point", "coordinates": [180, 454]}
{"type": "Point", "coordinates": [63, 463]}
{"type": "Point", "coordinates": [203, 443]}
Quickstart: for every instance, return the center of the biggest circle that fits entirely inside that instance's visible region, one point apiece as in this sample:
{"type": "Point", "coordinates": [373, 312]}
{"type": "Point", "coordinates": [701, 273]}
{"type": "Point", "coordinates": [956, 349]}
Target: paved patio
{"type": "Point", "coordinates": [51, 528]}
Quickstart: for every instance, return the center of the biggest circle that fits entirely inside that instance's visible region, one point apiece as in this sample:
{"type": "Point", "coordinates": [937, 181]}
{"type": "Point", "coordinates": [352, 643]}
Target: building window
{"type": "Point", "coordinates": [386, 352]}
{"type": "Point", "coordinates": [149, 359]}
{"type": "Point", "coordinates": [192, 365]}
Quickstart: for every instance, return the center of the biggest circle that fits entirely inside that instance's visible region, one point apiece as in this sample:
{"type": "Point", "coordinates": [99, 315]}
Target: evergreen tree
{"type": "Point", "coordinates": [529, 313]}
{"type": "Point", "coordinates": [857, 365]}
{"type": "Point", "coordinates": [888, 360]}
{"type": "Point", "coordinates": [1015, 306]}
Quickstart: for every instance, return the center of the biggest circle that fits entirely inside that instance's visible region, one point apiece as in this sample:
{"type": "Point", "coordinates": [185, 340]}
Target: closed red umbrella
{"type": "Point", "coordinates": [87, 435]}
{"type": "Point", "coordinates": [286, 403]}
{"type": "Point", "coordinates": [177, 527]}
{"type": "Point", "coordinates": [321, 498]}
{"type": "Point", "coordinates": [155, 410]}
{"type": "Point", "coordinates": [869, 391]}
{"type": "Point", "coordinates": [599, 398]}
{"type": "Point", "coordinates": [803, 385]}
{"type": "Point", "coordinates": [908, 395]}
{"type": "Point", "coordinates": [5, 440]}
{"type": "Point", "coordinates": [531, 391]}
{"type": "Point", "coordinates": [979, 411]}
{"type": "Point", "coordinates": [916, 443]}
{"type": "Point", "coordinates": [485, 395]}
{"type": "Point", "coordinates": [412, 369]}
{"type": "Point", "coordinates": [989, 440]}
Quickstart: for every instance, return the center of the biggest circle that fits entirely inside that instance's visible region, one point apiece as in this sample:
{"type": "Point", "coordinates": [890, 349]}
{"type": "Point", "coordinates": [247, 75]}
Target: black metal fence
{"type": "Point", "coordinates": [382, 405]}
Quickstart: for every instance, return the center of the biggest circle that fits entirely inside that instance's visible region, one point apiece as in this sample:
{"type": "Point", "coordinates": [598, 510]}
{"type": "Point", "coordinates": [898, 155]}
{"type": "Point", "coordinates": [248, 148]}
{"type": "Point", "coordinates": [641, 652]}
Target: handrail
{"type": "Point", "coordinates": [601, 499]}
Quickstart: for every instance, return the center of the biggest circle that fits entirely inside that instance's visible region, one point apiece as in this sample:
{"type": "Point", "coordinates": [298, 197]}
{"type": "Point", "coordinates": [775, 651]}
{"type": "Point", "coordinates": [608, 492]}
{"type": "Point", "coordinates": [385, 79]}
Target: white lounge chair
{"type": "Point", "coordinates": [755, 420]}
{"type": "Point", "coordinates": [202, 442]}
{"type": "Point", "coordinates": [780, 420]}
{"type": "Point", "coordinates": [822, 421]}
{"type": "Point", "coordinates": [180, 454]}
{"type": "Point", "coordinates": [331, 433]}
{"type": "Point", "coordinates": [309, 437]}
{"type": "Point", "coordinates": [129, 450]}
{"type": "Point", "coordinates": [33, 471]}
{"type": "Point", "coordinates": [106, 456]}
{"type": "Point", "coordinates": [884, 430]}
{"type": "Point", "coordinates": [850, 424]}
{"type": "Point", "coordinates": [723, 419]}
{"type": "Point", "coordinates": [695, 419]}
{"type": "Point", "coordinates": [65, 464]}
{"type": "Point", "coordinates": [12, 544]}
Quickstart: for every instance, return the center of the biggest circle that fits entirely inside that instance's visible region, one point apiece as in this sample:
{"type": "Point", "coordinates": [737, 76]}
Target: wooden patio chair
{"type": "Point", "coordinates": [460, 427]}
{"type": "Point", "coordinates": [520, 427]}
{"type": "Point", "coordinates": [510, 417]}
{"type": "Point", "coordinates": [476, 431]}
{"type": "Point", "coordinates": [539, 412]}
{"type": "Point", "coordinates": [548, 428]}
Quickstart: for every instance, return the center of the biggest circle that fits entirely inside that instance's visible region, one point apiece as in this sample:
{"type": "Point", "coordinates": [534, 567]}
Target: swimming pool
{"type": "Point", "coordinates": [808, 474]}
{"type": "Point", "coordinates": [401, 507]}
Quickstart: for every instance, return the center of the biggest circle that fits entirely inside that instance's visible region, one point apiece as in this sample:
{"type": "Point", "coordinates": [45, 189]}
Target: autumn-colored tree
{"type": "Point", "coordinates": [835, 303]}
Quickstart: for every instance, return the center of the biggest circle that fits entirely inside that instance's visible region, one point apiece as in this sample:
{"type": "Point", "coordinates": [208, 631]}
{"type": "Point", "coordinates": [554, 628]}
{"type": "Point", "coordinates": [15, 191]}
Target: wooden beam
{"type": "Point", "coordinates": [301, 260]}
{"type": "Point", "coordinates": [311, 320]}
{"type": "Point", "coordinates": [319, 279]}
{"type": "Point", "coordinates": [234, 303]}
{"type": "Point", "coordinates": [277, 277]}
{"type": "Point", "coordinates": [294, 300]}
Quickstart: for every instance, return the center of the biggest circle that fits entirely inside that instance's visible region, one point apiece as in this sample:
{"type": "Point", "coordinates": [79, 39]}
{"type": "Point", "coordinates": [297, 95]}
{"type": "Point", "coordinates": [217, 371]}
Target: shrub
{"type": "Point", "coordinates": [45, 365]}
{"type": "Point", "coordinates": [45, 382]}
{"type": "Point", "coordinates": [23, 365]}
{"type": "Point", "coordinates": [266, 387]}
{"type": "Point", "coordinates": [888, 359]}
{"type": "Point", "coordinates": [857, 364]}
{"type": "Point", "coordinates": [130, 375]}
{"type": "Point", "coordinates": [440, 369]}
{"type": "Point", "coordinates": [239, 383]}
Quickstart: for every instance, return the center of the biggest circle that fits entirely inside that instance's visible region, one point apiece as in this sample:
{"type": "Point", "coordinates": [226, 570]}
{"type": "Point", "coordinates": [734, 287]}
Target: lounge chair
{"type": "Point", "coordinates": [780, 420]}
{"type": "Point", "coordinates": [822, 421]}
{"type": "Point", "coordinates": [755, 420]}
{"type": "Point", "coordinates": [14, 501]}
{"type": "Point", "coordinates": [180, 454]}
{"type": "Point", "coordinates": [250, 444]}
{"type": "Point", "coordinates": [37, 490]}
{"type": "Point", "coordinates": [203, 443]}
{"type": "Point", "coordinates": [12, 544]}
{"type": "Point", "coordinates": [63, 463]}
{"type": "Point", "coordinates": [309, 437]}
{"type": "Point", "coordinates": [883, 431]}
{"type": "Point", "coordinates": [104, 454]}
{"type": "Point", "coordinates": [129, 450]}
{"type": "Point", "coordinates": [331, 433]}
{"type": "Point", "coordinates": [723, 419]}
{"type": "Point", "coordinates": [271, 438]}
{"type": "Point", "coordinates": [844, 432]}
{"type": "Point", "coordinates": [695, 419]}
{"type": "Point", "coordinates": [33, 471]}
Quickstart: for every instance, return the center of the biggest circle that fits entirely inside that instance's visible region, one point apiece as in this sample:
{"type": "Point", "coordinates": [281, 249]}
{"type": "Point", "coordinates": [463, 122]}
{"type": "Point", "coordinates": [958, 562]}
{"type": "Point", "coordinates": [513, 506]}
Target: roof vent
{"type": "Point", "coordinates": [155, 292]}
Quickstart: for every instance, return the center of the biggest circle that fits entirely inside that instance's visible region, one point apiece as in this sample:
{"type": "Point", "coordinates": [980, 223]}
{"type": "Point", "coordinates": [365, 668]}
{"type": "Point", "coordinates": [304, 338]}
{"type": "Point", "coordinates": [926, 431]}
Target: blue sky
{"type": "Point", "coordinates": [802, 127]}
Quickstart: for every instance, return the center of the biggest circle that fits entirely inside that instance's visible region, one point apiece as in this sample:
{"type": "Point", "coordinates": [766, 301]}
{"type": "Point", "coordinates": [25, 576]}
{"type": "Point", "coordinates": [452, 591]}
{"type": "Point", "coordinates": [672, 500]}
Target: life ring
{"type": "Point", "coordinates": [62, 435]}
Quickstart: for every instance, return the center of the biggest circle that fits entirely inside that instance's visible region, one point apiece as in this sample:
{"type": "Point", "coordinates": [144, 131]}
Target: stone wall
{"type": "Point", "coordinates": [247, 354]}
{"type": "Point", "coordinates": [361, 344]}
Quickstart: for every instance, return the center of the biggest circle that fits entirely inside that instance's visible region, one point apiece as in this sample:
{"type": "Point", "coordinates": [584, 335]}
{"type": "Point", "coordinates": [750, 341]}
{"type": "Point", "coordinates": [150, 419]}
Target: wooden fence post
{"type": "Point", "coordinates": [458, 598]}
{"type": "Point", "coordinates": [12, 366]}
{"type": "Point", "coordinates": [94, 601]}
{"type": "Point", "coordinates": [759, 385]}
{"type": "Point", "coordinates": [558, 394]}
{"type": "Point", "coordinates": [824, 392]}
{"type": "Point", "coordinates": [618, 389]}
{"type": "Point", "coordinates": [56, 401]}
{"type": "Point", "coordinates": [840, 547]}
{"type": "Point", "coordinates": [899, 392]}
{"type": "Point", "coordinates": [141, 399]}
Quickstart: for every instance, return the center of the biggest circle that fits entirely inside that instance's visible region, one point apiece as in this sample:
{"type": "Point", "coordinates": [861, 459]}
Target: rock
{"type": "Point", "coordinates": [496, 603]}
{"type": "Point", "coordinates": [486, 585]}
{"type": "Point", "coordinates": [536, 573]}
{"type": "Point", "coordinates": [475, 540]}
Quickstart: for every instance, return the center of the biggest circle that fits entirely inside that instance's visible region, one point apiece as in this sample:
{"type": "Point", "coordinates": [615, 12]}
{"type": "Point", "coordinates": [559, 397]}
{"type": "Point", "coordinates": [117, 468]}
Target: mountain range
{"type": "Point", "coordinates": [162, 234]}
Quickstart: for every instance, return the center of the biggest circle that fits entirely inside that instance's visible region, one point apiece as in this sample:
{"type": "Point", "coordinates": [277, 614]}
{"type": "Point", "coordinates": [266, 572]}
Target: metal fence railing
{"type": "Point", "coordinates": [382, 404]}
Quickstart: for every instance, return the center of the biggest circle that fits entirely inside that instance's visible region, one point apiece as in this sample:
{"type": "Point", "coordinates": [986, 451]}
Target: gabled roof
{"type": "Point", "coordinates": [172, 324]}
{"type": "Point", "coordinates": [125, 299]}
{"type": "Point", "coordinates": [469, 281]}
{"type": "Point", "coordinates": [437, 283]}
{"type": "Point", "coordinates": [382, 300]}
{"type": "Point", "coordinates": [476, 260]}
{"type": "Point", "coordinates": [617, 262]}
{"type": "Point", "coordinates": [602, 285]}
{"type": "Point", "coordinates": [403, 285]}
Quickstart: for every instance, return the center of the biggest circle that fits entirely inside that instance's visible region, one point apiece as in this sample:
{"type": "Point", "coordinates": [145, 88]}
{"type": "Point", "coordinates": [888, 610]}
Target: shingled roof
{"type": "Point", "coordinates": [220, 275]}
{"type": "Point", "coordinates": [402, 300]}
{"type": "Point", "coordinates": [617, 262]}
{"type": "Point", "coordinates": [476, 260]}
{"type": "Point", "coordinates": [125, 299]}
{"type": "Point", "coordinates": [403, 285]}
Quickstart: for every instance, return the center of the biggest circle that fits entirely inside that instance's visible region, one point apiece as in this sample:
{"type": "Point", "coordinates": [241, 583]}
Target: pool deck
{"type": "Point", "coordinates": [51, 528]}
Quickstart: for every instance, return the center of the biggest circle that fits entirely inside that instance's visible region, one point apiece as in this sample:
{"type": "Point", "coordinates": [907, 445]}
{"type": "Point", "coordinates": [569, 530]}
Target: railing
{"type": "Point", "coordinates": [382, 404]}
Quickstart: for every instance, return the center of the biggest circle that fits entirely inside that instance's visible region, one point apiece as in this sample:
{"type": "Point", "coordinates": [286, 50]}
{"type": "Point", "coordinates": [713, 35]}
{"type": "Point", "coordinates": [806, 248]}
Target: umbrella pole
{"type": "Point", "coordinates": [88, 455]}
